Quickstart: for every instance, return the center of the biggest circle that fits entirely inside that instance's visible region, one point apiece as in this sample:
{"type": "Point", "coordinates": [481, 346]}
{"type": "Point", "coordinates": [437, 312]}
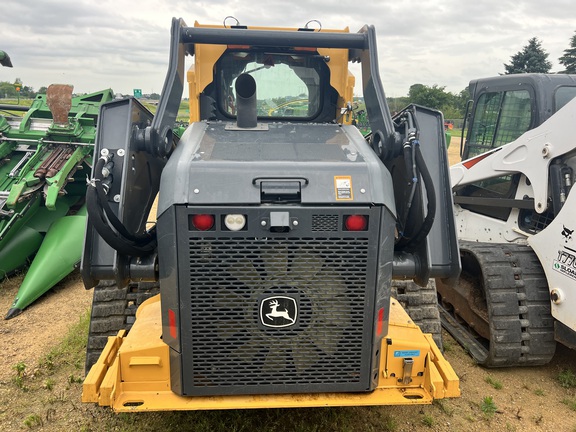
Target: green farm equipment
{"type": "Point", "coordinates": [45, 155]}
{"type": "Point", "coordinates": [5, 59]}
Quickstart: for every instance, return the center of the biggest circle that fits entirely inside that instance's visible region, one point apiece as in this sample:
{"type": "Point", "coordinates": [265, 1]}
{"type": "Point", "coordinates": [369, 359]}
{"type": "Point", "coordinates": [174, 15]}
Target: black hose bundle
{"type": "Point", "coordinates": [107, 224]}
{"type": "Point", "coordinates": [430, 197]}
{"type": "Point", "coordinates": [415, 167]}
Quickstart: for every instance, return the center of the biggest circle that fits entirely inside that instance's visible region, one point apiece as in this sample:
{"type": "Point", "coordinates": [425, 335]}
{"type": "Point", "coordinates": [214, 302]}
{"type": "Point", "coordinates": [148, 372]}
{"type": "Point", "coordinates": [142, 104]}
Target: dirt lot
{"type": "Point", "coordinates": [529, 399]}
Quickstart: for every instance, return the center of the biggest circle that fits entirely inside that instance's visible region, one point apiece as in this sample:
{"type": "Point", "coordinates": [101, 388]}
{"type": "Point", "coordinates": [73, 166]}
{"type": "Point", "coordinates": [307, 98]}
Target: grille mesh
{"type": "Point", "coordinates": [229, 280]}
{"type": "Point", "coordinates": [327, 223]}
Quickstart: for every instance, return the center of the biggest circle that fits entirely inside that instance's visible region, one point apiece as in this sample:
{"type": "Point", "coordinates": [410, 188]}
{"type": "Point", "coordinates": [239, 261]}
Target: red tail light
{"type": "Point", "coordinates": [380, 320]}
{"type": "Point", "coordinates": [172, 323]}
{"type": "Point", "coordinates": [356, 223]}
{"type": "Point", "coordinates": [203, 222]}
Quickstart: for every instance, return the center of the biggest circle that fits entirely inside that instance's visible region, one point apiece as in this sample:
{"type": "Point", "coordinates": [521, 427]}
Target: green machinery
{"type": "Point", "coordinates": [5, 59]}
{"type": "Point", "coordinates": [45, 156]}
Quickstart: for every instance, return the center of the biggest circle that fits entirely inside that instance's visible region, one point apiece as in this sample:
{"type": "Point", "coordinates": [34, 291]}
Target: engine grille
{"type": "Point", "coordinates": [233, 284]}
{"type": "Point", "coordinates": [325, 223]}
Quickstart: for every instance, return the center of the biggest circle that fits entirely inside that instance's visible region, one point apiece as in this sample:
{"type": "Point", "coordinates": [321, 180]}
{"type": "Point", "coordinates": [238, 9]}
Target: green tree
{"type": "Point", "coordinates": [462, 99]}
{"type": "Point", "coordinates": [532, 59]}
{"type": "Point", "coordinates": [7, 90]}
{"type": "Point", "coordinates": [568, 60]}
{"type": "Point", "coordinates": [27, 92]}
{"type": "Point", "coordinates": [432, 97]}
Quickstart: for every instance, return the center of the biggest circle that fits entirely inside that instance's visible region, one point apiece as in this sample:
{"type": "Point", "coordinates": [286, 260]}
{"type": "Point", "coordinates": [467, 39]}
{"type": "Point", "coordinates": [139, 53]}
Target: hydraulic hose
{"type": "Point", "coordinates": [431, 198]}
{"type": "Point", "coordinates": [102, 217]}
{"type": "Point", "coordinates": [103, 200]}
{"type": "Point", "coordinates": [410, 158]}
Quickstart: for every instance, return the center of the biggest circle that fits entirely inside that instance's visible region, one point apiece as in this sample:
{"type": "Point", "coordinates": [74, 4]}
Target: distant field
{"type": "Point", "coordinates": [183, 110]}
{"type": "Point", "coordinates": [23, 102]}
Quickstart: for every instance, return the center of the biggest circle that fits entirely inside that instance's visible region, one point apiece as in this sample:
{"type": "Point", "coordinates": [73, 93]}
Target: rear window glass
{"type": "Point", "coordinates": [287, 85]}
{"type": "Point", "coordinates": [564, 95]}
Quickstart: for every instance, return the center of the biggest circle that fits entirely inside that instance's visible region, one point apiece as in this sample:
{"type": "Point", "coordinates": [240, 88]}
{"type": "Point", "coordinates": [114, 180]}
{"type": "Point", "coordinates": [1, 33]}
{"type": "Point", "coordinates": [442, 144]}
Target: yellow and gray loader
{"type": "Point", "coordinates": [279, 229]}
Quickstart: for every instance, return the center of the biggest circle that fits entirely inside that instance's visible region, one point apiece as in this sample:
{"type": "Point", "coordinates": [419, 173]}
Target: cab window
{"type": "Point", "coordinates": [500, 118]}
{"type": "Point", "coordinates": [288, 85]}
{"type": "Point", "coordinates": [563, 96]}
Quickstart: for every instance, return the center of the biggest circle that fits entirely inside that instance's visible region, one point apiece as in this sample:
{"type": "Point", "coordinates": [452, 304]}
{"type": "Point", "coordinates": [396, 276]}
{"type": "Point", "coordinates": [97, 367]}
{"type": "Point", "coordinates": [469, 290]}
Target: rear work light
{"type": "Point", "coordinates": [356, 222]}
{"type": "Point", "coordinates": [235, 222]}
{"type": "Point", "coordinates": [202, 222]}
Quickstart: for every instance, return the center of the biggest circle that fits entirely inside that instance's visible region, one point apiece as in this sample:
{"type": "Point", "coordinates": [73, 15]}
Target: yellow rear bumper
{"type": "Point", "coordinates": [133, 373]}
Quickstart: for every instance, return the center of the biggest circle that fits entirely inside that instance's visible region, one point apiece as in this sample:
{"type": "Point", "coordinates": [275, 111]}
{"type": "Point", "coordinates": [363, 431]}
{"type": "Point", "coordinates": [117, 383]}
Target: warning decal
{"type": "Point", "coordinates": [343, 188]}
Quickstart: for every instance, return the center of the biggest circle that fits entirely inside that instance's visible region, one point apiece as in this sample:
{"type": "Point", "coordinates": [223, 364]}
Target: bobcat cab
{"type": "Point", "coordinates": [279, 229]}
{"type": "Point", "coordinates": [515, 215]}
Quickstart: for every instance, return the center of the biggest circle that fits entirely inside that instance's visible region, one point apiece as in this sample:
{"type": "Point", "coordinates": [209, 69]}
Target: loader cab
{"type": "Point", "coordinates": [504, 107]}
{"type": "Point", "coordinates": [501, 110]}
{"type": "Point", "coordinates": [300, 96]}
{"type": "Point", "coordinates": [296, 84]}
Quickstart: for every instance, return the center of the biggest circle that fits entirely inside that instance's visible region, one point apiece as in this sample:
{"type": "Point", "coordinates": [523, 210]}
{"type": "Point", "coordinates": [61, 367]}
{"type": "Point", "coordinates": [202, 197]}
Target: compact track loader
{"type": "Point", "coordinates": [279, 229]}
{"type": "Point", "coordinates": [515, 209]}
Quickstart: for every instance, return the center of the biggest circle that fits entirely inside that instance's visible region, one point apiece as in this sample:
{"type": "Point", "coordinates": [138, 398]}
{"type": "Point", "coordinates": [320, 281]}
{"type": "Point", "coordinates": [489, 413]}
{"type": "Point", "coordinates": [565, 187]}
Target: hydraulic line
{"type": "Point", "coordinates": [416, 167]}
{"type": "Point", "coordinates": [431, 198]}
{"type": "Point", "coordinates": [102, 217]}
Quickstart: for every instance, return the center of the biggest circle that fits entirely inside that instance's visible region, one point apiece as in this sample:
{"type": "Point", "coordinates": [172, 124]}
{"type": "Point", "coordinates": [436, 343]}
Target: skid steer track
{"type": "Point", "coordinates": [114, 309]}
{"type": "Point", "coordinates": [421, 303]}
{"type": "Point", "coordinates": [505, 287]}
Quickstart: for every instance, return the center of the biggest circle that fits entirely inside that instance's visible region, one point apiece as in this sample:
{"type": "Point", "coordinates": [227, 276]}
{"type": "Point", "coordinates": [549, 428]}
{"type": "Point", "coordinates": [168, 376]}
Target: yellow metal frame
{"type": "Point", "coordinates": [133, 373]}
{"type": "Point", "coordinates": [201, 73]}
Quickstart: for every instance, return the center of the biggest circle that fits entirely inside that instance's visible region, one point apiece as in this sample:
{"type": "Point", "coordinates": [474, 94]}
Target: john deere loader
{"type": "Point", "coordinates": [279, 229]}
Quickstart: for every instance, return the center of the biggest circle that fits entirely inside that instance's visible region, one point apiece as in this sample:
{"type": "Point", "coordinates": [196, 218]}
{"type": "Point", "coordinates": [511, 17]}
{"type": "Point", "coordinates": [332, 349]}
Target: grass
{"type": "Point", "coordinates": [18, 379]}
{"type": "Point", "coordinates": [428, 420]}
{"type": "Point", "coordinates": [448, 345]}
{"type": "Point", "coordinates": [71, 350]}
{"type": "Point", "coordinates": [456, 133]}
{"type": "Point", "coordinates": [493, 382]}
{"type": "Point", "coordinates": [443, 405]}
{"type": "Point", "coordinates": [60, 374]}
{"type": "Point", "coordinates": [344, 419]}
{"type": "Point", "coordinates": [49, 384]}
{"type": "Point", "coordinates": [183, 110]}
{"type": "Point", "coordinates": [488, 406]}
{"type": "Point", "coordinates": [33, 421]}
{"type": "Point", "coordinates": [567, 378]}
{"type": "Point", "coordinates": [570, 403]}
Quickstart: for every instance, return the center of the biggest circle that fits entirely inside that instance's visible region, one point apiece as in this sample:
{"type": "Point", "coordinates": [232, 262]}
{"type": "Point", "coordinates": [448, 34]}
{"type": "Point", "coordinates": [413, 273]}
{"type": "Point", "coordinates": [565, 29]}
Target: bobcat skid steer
{"type": "Point", "coordinates": [514, 208]}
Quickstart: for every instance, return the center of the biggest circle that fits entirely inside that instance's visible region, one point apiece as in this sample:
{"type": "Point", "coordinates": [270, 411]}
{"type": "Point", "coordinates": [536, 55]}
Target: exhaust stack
{"type": "Point", "coordinates": [246, 102]}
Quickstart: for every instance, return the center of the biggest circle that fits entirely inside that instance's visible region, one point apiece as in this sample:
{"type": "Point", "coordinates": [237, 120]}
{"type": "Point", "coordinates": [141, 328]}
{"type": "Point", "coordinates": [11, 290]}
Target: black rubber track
{"type": "Point", "coordinates": [113, 309]}
{"type": "Point", "coordinates": [421, 304]}
{"type": "Point", "coordinates": [517, 303]}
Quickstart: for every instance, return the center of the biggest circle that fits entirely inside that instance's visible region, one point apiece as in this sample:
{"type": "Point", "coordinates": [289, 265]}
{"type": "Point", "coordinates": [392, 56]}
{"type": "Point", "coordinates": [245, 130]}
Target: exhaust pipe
{"type": "Point", "coordinates": [246, 102]}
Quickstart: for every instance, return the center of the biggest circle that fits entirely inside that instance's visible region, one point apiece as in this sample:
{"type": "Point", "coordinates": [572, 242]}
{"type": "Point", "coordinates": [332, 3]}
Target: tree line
{"type": "Point", "coordinates": [531, 59]}
{"type": "Point", "coordinates": [17, 88]}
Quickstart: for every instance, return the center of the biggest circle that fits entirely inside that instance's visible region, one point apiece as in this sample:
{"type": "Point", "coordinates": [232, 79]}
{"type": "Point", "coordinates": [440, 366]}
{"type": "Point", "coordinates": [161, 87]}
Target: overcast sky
{"type": "Point", "coordinates": [123, 45]}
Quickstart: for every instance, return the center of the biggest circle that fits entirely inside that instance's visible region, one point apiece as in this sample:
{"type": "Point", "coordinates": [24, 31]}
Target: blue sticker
{"type": "Point", "coordinates": [407, 353]}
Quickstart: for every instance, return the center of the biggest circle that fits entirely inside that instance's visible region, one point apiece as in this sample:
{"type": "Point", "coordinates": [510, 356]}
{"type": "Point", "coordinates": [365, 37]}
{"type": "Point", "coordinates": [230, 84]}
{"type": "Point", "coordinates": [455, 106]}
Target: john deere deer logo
{"type": "Point", "coordinates": [278, 311]}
